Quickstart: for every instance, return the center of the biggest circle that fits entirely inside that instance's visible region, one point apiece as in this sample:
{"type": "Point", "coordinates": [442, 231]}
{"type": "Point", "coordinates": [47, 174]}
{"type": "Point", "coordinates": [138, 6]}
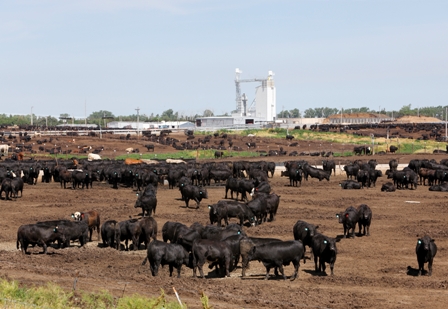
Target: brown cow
{"type": "Point", "coordinates": [130, 161]}
{"type": "Point", "coordinates": [93, 220]}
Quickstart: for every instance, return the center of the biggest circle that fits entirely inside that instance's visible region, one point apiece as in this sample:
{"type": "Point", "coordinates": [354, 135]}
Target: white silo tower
{"type": "Point", "coordinates": [265, 99]}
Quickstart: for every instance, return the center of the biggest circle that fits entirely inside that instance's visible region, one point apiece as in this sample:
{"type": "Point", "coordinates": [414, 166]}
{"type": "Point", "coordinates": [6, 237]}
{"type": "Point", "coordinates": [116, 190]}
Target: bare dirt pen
{"type": "Point", "coordinates": [370, 272]}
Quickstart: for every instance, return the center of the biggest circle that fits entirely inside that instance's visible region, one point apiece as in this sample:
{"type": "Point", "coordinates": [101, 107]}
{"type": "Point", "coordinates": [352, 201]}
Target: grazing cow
{"type": "Point", "coordinates": [92, 218]}
{"type": "Point", "coordinates": [162, 253]}
{"type": "Point", "coordinates": [109, 231]}
{"type": "Point", "coordinates": [210, 250]}
{"type": "Point", "coordinates": [37, 234]}
{"type": "Point", "coordinates": [289, 137]}
{"type": "Point", "coordinates": [324, 249]}
{"type": "Point", "coordinates": [388, 187]}
{"type": "Point", "coordinates": [426, 250]}
{"type": "Point", "coordinates": [277, 254]}
{"type": "Point", "coordinates": [349, 218]}
{"type": "Point", "coordinates": [315, 173]}
{"type": "Point", "coordinates": [365, 218]}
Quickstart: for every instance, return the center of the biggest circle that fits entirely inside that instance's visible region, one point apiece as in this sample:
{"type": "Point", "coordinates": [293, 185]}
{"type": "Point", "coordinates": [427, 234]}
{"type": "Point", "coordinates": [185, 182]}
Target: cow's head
{"type": "Point", "coordinates": [77, 216]}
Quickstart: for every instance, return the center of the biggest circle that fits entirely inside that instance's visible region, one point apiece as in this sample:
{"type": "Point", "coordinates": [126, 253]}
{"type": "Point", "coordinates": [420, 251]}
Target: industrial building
{"type": "Point", "coordinates": [174, 125]}
{"type": "Point", "coordinates": [261, 111]}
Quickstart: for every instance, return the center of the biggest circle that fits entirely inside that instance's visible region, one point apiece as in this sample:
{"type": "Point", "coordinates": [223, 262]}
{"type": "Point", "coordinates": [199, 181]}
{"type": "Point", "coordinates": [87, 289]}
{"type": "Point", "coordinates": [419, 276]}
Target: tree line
{"type": "Point", "coordinates": [102, 116]}
{"type": "Point", "coordinates": [406, 110]}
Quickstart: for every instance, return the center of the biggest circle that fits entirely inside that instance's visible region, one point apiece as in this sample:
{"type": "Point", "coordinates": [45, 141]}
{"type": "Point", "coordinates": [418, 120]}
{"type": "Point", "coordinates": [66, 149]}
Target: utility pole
{"type": "Point", "coordinates": [138, 120]}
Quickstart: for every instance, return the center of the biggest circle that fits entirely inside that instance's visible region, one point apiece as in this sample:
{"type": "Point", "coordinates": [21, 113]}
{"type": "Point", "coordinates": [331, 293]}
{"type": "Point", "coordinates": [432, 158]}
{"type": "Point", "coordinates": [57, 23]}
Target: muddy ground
{"type": "Point", "coordinates": [370, 272]}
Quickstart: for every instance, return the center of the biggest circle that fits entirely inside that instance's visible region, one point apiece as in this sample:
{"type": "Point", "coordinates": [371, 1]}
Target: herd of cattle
{"type": "Point", "coordinates": [194, 245]}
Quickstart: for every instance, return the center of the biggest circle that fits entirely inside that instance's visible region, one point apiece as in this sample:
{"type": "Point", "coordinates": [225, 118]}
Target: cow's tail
{"type": "Point", "coordinates": [144, 261]}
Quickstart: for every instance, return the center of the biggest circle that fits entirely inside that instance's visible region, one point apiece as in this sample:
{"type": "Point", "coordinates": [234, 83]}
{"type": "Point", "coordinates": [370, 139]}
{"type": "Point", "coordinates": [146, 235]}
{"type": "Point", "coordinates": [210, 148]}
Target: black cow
{"type": "Point", "coordinates": [109, 231]}
{"type": "Point", "coordinates": [365, 218]}
{"type": "Point", "coordinates": [426, 250]}
{"type": "Point", "coordinates": [272, 203]}
{"type": "Point", "coordinates": [246, 245]}
{"type": "Point", "coordinates": [17, 185]}
{"type": "Point", "coordinates": [263, 187]}
{"type": "Point", "coordinates": [278, 254]}
{"type": "Point", "coordinates": [350, 184]}
{"type": "Point", "coordinates": [129, 230]}
{"type": "Point", "coordinates": [349, 218]}
{"type": "Point", "coordinates": [388, 187]}
{"type": "Point", "coordinates": [295, 176]}
{"type": "Point", "coordinates": [72, 230]}
{"type": "Point", "coordinates": [149, 230]}
{"type": "Point", "coordinates": [147, 201]}
{"type": "Point", "coordinates": [226, 209]}
{"type": "Point", "coordinates": [329, 165]}
{"type": "Point", "coordinates": [363, 177]}
{"type": "Point", "coordinates": [259, 207]}
{"type": "Point", "coordinates": [315, 173]}
{"type": "Point", "coordinates": [393, 165]}
{"type": "Point", "coordinates": [7, 188]}
{"type": "Point", "coordinates": [190, 192]}
{"type": "Point", "coordinates": [443, 187]}
{"type": "Point", "coordinates": [351, 170]}
{"type": "Point", "coordinates": [211, 250]}
{"type": "Point", "coordinates": [161, 253]}
{"type": "Point", "coordinates": [304, 232]}
{"type": "Point", "coordinates": [359, 150]}
{"type": "Point", "coordinates": [37, 234]}
{"type": "Point", "coordinates": [393, 148]}
{"type": "Point", "coordinates": [324, 249]}
{"type": "Point", "coordinates": [219, 154]}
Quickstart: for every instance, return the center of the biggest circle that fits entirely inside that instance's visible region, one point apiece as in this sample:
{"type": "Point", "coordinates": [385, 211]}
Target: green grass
{"type": "Point", "coordinates": [51, 296]}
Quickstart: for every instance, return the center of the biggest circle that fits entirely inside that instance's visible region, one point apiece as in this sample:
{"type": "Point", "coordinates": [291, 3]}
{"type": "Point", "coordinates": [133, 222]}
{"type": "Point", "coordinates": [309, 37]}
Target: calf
{"type": "Point", "coordinates": [210, 250]}
{"type": "Point", "coordinates": [277, 254]}
{"type": "Point", "coordinates": [161, 253]}
{"type": "Point", "coordinates": [349, 218]}
{"type": "Point", "coordinates": [35, 234]}
{"type": "Point", "coordinates": [426, 250]}
{"type": "Point", "coordinates": [365, 218]}
{"type": "Point", "coordinates": [324, 249]}
{"type": "Point", "coordinates": [93, 220]}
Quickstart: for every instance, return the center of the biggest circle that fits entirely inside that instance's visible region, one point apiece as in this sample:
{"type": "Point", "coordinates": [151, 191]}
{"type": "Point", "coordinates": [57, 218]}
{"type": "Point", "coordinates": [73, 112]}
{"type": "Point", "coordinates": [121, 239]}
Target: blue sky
{"type": "Point", "coordinates": [120, 55]}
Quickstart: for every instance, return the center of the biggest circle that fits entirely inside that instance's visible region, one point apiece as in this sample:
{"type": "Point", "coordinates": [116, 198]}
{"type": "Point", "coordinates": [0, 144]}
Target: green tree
{"type": "Point", "coordinates": [208, 113]}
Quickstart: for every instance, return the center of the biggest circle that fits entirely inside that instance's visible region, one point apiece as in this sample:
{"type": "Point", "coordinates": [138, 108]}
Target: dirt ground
{"type": "Point", "coordinates": [370, 272]}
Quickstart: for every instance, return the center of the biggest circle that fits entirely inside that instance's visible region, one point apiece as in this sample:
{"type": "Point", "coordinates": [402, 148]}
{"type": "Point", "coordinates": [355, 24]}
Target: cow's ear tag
{"type": "Point", "coordinates": [239, 232]}
{"type": "Point", "coordinates": [419, 241]}
{"type": "Point", "coordinates": [325, 241]}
